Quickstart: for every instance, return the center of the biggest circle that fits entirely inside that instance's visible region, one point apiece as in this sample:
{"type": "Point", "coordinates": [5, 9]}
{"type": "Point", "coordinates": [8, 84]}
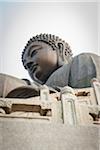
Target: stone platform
{"type": "Point", "coordinates": [27, 134]}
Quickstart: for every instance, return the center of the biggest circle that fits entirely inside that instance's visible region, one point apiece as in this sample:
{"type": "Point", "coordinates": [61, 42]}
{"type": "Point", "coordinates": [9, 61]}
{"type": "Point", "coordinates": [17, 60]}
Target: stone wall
{"type": "Point", "coordinates": [22, 134]}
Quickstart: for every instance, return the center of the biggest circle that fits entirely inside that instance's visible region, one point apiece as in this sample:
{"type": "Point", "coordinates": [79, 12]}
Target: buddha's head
{"type": "Point", "coordinates": [43, 54]}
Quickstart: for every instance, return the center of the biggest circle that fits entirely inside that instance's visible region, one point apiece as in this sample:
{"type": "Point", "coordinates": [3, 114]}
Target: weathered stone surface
{"type": "Point", "coordinates": [71, 107]}
{"type": "Point", "coordinates": [96, 85]}
{"type": "Point", "coordinates": [29, 135]}
{"type": "Point", "coordinates": [99, 138]}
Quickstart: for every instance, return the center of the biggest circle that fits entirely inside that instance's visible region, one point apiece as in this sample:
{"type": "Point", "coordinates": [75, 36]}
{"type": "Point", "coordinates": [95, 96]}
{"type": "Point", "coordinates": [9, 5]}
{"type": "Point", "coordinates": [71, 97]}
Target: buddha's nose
{"type": "Point", "coordinates": [28, 64]}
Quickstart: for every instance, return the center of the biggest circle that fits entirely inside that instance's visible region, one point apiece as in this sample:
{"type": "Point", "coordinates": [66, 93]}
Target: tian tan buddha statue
{"type": "Point", "coordinates": [48, 60]}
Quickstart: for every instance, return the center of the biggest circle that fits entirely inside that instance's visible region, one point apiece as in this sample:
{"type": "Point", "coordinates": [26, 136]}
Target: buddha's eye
{"type": "Point", "coordinates": [33, 53]}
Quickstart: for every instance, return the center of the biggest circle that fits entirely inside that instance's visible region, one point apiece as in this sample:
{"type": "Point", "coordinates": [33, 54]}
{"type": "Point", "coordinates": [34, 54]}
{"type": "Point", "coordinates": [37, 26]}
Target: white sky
{"type": "Point", "coordinates": [76, 22]}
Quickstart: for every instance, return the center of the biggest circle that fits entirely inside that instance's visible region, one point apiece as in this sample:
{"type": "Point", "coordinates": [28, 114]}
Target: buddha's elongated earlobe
{"type": "Point", "coordinates": [61, 50]}
{"type": "Point", "coordinates": [61, 53]}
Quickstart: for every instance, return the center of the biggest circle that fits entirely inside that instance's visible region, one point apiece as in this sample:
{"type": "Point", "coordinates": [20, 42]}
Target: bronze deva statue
{"type": "Point", "coordinates": [49, 61]}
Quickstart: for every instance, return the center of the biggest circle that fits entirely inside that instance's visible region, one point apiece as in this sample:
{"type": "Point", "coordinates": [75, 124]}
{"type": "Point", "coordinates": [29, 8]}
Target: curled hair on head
{"type": "Point", "coordinates": [63, 49]}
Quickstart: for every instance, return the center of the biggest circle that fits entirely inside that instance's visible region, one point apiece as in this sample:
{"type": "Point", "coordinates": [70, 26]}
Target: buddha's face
{"type": "Point", "coordinates": [40, 61]}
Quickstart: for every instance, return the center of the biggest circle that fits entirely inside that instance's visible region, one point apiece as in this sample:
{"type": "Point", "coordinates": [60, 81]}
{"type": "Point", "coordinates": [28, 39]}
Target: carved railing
{"type": "Point", "coordinates": [70, 106]}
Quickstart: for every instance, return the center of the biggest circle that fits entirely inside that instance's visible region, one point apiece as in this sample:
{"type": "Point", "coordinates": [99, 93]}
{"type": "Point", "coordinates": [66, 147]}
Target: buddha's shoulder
{"type": "Point", "coordinates": [59, 77]}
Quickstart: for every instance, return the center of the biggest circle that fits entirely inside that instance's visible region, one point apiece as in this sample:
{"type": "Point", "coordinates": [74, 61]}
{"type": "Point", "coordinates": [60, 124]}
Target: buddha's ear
{"type": "Point", "coordinates": [61, 47]}
{"type": "Point", "coordinates": [60, 52]}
